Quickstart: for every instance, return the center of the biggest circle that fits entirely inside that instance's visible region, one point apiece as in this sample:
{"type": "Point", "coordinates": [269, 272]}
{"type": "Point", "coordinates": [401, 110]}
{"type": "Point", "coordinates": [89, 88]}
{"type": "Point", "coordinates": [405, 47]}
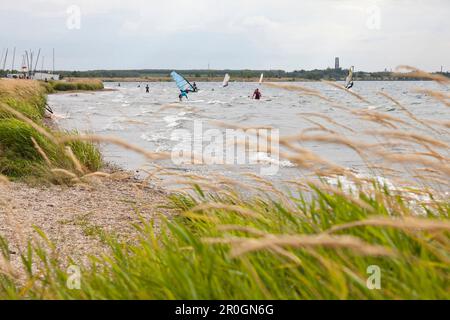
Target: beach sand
{"type": "Point", "coordinates": [76, 218]}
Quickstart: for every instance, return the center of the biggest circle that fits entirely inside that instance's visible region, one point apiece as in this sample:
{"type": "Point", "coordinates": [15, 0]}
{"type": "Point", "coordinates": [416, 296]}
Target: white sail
{"type": "Point", "coordinates": [226, 80]}
{"type": "Point", "coordinates": [261, 78]}
{"type": "Point", "coordinates": [349, 79]}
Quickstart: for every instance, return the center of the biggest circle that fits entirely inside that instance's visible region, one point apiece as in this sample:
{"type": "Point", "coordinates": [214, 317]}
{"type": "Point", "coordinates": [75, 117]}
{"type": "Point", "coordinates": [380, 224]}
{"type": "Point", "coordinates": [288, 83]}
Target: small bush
{"type": "Point", "coordinates": [27, 97]}
{"type": "Point", "coordinates": [64, 86]}
{"type": "Point", "coordinates": [19, 156]}
{"type": "Point", "coordinates": [88, 154]}
{"type": "Point", "coordinates": [84, 85]}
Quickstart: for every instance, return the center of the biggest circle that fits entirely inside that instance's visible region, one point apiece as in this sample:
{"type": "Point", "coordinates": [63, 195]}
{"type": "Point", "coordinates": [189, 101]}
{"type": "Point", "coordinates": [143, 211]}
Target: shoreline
{"type": "Point", "coordinates": [83, 91]}
{"type": "Point", "coordinates": [76, 218]}
{"type": "Point", "coordinates": [244, 80]}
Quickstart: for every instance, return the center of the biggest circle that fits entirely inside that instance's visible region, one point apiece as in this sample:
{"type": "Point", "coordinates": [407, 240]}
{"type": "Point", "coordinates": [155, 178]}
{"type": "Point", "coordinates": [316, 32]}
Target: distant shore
{"type": "Point", "coordinates": [238, 79]}
{"type": "Point", "coordinates": [163, 75]}
{"type": "Point", "coordinates": [200, 79]}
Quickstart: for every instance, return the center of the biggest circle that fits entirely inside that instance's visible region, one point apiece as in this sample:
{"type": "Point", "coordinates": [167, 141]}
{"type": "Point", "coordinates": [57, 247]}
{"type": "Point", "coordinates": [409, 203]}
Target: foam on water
{"type": "Point", "coordinates": [135, 116]}
{"type": "Point", "coordinates": [174, 121]}
{"type": "Point", "coordinates": [216, 102]}
{"type": "Point", "coordinates": [264, 158]}
{"type": "Point", "coordinates": [155, 137]}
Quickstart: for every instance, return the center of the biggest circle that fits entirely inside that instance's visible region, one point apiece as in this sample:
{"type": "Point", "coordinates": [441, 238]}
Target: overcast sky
{"type": "Point", "coordinates": [236, 34]}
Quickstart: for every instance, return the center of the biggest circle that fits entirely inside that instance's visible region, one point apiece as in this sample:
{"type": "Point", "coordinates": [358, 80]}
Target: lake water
{"type": "Point", "coordinates": [140, 118]}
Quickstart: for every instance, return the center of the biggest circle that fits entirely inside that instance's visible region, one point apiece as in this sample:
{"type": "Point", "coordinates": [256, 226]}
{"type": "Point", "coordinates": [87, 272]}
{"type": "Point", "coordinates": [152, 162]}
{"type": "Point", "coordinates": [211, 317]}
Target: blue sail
{"type": "Point", "coordinates": [181, 82]}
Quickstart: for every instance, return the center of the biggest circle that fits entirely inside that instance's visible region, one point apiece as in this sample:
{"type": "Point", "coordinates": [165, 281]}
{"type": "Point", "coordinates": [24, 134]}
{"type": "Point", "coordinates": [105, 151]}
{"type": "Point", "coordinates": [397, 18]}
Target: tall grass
{"type": "Point", "coordinates": [301, 250]}
{"type": "Point", "coordinates": [28, 148]}
{"type": "Point", "coordinates": [24, 96]}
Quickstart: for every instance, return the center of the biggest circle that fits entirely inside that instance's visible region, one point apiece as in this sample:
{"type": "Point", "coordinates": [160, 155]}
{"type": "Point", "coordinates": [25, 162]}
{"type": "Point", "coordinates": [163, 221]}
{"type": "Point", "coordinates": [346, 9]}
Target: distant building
{"type": "Point", "coordinates": [336, 63]}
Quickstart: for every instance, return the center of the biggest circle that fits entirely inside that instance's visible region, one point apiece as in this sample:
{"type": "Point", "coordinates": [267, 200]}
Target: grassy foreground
{"type": "Point", "coordinates": [27, 147]}
{"type": "Point", "coordinates": [322, 242]}
{"type": "Point", "coordinates": [222, 247]}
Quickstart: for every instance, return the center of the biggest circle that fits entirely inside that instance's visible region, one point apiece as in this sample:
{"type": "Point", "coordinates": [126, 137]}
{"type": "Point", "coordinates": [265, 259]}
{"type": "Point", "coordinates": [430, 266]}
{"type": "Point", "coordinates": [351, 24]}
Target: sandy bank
{"type": "Point", "coordinates": [76, 218]}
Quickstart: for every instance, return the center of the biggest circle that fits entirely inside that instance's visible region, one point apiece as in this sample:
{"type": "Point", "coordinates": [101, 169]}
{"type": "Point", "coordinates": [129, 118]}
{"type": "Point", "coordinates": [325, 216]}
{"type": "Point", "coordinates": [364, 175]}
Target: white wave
{"type": "Point", "coordinates": [349, 185]}
{"type": "Point", "coordinates": [58, 116]}
{"type": "Point", "coordinates": [163, 148]}
{"type": "Point", "coordinates": [216, 102]}
{"type": "Point", "coordinates": [263, 157]}
{"type": "Point", "coordinates": [196, 101]}
{"type": "Point", "coordinates": [113, 126]}
{"type": "Point", "coordinates": [174, 120]}
{"type": "Point", "coordinates": [155, 137]}
{"type": "Point", "coordinates": [144, 110]}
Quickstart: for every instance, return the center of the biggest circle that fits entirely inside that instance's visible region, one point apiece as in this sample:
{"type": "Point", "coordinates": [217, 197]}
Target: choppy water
{"type": "Point", "coordinates": [136, 116]}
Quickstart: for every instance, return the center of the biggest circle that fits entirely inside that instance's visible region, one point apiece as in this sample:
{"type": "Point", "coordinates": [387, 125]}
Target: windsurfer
{"type": "Point", "coordinates": [350, 85]}
{"type": "Point", "coordinates": [182, 84]}
{"type": "Point", "coordinates": [349, 79]}
{"type": "Point", "coordinates": [183, 94]}
{"type": "Point", "coordinates": [147, 89]}
{"type": "Point", "coordinates": [257, 94]}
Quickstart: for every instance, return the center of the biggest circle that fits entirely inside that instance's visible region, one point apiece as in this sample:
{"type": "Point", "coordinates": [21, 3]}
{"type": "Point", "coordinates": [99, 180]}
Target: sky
{"type": "Point", "coordinates": [229, 34]}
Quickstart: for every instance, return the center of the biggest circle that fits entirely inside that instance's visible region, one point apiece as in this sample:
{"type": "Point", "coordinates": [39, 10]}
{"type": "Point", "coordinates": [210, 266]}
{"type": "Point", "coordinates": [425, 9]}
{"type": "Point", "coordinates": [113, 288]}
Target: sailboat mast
{"type": "Point", "coordinates": [1, 58]}
{"type": "Point", "coordinates": [13, 60]}
{"type": "Point", "coordinates": [30, 67]}
{"type": "Point", "coordinates": [53, 60]}
{"type": "Point", "coordinates": [4, 61]}
{"type": "Point", "coordinates": [27, 61]}
{"type": "Point", "coordinates": [37, 60]}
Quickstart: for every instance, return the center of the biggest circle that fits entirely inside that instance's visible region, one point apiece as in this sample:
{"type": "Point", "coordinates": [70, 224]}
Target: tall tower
{"type": "Point", "coordinates": [336, 63]}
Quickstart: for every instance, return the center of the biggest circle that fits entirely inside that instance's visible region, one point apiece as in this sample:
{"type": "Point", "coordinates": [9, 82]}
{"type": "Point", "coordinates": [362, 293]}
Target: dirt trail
{"type": "Point", "coordinates": [75, 218]}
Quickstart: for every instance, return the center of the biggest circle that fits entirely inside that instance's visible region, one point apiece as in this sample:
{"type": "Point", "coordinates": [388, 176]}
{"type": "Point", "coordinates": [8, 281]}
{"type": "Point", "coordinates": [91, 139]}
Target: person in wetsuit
{"type": "Point", "coordinates": [349, 86]}
{"type": "Point", "coordinates": [194, 86]}
{"type": "Point", "coordinates": [183, 94]}
{"type": "Point", "coordinates": [147, 89]}
{"type": "Point", "coordinates": [257, 94]}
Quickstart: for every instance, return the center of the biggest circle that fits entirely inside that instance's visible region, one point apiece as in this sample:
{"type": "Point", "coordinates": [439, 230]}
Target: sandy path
{"type": "Point", "coordinates": [74, 218]}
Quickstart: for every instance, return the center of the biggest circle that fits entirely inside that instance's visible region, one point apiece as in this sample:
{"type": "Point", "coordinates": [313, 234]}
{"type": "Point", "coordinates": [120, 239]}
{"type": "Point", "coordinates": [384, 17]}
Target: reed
{"type": "Point", "coordinates": [258, 249]}
{"type": "Point", "coordinates": [29, 147]}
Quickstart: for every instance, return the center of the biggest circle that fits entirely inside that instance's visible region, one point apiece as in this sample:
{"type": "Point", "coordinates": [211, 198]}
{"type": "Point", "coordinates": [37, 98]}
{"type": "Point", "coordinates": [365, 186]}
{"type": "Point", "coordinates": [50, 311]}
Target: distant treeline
{"type": "Point", "coordinates": [313, 75]}
{"type": "Point", "coordinates": [327, 74]}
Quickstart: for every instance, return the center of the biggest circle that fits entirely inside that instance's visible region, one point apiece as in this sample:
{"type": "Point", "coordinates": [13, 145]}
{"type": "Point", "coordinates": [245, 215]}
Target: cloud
{"type": "Point", "coordinates": [289, 34]}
